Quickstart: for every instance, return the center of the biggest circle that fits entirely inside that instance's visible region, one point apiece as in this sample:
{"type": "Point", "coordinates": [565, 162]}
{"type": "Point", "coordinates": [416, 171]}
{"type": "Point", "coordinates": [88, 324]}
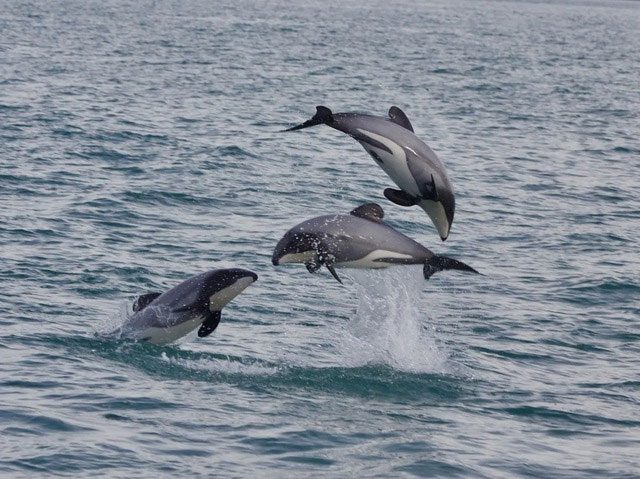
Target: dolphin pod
{"type": "Point", "coordinates": [360, 239]}
{"type": "Point", "coordinates": [408, 161]}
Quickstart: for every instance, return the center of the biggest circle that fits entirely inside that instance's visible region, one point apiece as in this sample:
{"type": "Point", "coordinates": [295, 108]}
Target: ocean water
{"type": "Point", "coordinates": [139, 145]}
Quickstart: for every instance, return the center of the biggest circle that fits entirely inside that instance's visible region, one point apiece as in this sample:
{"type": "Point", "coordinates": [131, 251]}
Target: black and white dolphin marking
{"type": "Point", "coordinates": [357, 240]}
{"type": "Point", "coordinates": [408, 161]}
{"type": "Point", "coordinates": [162, 318]}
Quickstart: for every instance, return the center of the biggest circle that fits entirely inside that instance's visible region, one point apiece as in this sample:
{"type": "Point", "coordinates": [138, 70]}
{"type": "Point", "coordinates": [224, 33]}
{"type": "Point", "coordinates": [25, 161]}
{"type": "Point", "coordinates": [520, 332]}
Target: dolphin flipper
{"type": "Point", "coordinates": [333, 273]}
{"type": "Point", "coordinates": [397, 116]}
{"type": "Point", "coordinates": [314, 266]}
{"type": "Point", "coordinates": [399, 197]}
{"type": "Point", "coordinates": [210, 324]}
{"type": "Point", "coordinates": [143, 301]}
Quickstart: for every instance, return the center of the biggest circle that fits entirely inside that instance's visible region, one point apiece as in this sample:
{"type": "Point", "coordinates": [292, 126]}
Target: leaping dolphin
{"type": "Point", "coordinates": [162, 318]}
{"type": "Point", "coordinates": [357, 240]}
{"type": "Point", "coordinates": [408, 161]}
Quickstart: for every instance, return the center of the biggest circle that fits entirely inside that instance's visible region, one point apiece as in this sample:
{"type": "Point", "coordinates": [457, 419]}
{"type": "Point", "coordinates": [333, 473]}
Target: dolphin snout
{"type": "Point", "coordinates": [278, 252]}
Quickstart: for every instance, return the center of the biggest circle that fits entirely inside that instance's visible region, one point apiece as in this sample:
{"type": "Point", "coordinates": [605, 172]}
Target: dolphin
{"type": "Point", "coordinates": [357, 240]}
{"type": "Point", "coordinates": [408, 161]}
{"type": "Point", "coordinates": [162, 318]}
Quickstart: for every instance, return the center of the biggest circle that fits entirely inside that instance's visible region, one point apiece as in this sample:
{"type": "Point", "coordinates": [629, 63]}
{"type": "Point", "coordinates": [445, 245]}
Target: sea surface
{"type": "Point", "coordinates": [140, 145]}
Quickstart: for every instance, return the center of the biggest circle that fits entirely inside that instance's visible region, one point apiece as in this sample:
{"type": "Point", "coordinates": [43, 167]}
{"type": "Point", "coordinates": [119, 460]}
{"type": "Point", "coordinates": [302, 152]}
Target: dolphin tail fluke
{"type": "Point", "coordinates": [441, 263]}
{"type": "Point", "coordinates": [323, 115]}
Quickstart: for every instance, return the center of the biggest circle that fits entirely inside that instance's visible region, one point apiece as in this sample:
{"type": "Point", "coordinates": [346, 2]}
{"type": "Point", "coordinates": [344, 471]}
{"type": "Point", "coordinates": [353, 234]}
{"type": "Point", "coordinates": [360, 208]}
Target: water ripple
{"type": "Point", "coordinates": [141, 145]}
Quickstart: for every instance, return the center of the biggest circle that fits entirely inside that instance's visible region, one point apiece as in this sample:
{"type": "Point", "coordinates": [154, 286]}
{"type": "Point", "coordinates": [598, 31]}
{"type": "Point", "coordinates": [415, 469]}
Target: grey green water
{"type": "Point", "coordinates": [139, 146]}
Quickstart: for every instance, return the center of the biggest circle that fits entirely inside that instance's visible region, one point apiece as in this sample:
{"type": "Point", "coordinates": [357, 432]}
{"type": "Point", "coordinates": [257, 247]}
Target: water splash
{"type": "Point", "coordinates": [389, 327]}
{"type": "Point", "coordinates": [105, 327]}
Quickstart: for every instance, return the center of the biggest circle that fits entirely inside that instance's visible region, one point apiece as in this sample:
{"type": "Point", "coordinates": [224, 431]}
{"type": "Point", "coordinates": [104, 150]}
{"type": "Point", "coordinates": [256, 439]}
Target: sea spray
{"type": "Point", "coordinates": [389, 326]}
{"type": "Point", "coordinates": [108, 325]}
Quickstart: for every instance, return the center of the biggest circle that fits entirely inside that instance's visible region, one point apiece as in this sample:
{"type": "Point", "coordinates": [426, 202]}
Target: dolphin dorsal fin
{"type": "Point", "coordinates": [369, 211]}
{"type": "Point", "coordinates": [397, 116]}
{"type": "Point", "coordinates": [143, 301]}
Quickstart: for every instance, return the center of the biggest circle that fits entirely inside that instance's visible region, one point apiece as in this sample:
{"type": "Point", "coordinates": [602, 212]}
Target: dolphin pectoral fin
{"type": "Point", "coordinates": [440, 263]}
{"type": "Point", "coordinates": [143, 301]}
{"type": "Point", "coordinates": [210, 324]}
{"type": "Point", "coordinates": [400, 198]}
{"type": "Point", "coordinates": [397, 116]}
{"type": "Point", "coordinates": [333, 273]}
{"type": "Point", "coordinates": [313, 266]}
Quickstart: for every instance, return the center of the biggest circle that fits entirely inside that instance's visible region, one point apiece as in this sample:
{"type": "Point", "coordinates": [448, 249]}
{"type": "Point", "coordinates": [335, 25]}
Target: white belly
{"type": "Point", "coordinates": [368, 262]}
{"type": "Point", "coordinates": [303, 257]}
{"type": "Point", "coordinates": [436, 212]}
{"type": "Point", "coordinates": [394, 164]}
{"type": "Point", "coordinates": [220, 299]}
{"type": "Point", "coordinates": [168, 334]}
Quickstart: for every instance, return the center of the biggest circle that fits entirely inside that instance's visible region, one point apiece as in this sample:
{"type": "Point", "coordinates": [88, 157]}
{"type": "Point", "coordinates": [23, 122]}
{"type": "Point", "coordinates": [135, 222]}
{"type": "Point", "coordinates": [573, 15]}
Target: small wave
{"type": "Point", "coordinates": [221, 366]}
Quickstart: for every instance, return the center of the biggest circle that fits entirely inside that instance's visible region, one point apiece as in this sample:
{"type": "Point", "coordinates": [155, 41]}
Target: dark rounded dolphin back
{"type": "Point", "coordinates": [195, 291]}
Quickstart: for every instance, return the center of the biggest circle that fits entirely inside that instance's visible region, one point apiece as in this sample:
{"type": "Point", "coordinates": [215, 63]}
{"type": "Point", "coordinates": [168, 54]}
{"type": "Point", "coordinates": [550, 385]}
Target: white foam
{"type": "Point", "coordinates": [389, 327]}
{"type": "Point", "coordinates": [221, 366]}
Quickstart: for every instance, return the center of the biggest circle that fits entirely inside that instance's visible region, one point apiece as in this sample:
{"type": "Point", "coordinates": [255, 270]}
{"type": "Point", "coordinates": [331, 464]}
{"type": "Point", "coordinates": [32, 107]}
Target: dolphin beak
{"type": "Point", "coordinates": [278, 251]}
{"type": "Point", "coordinates": [254, 276]}
{"type": "Point", "coordinates": [446, 228]}
{"type": "Point", "coordinates": [443, 227]}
